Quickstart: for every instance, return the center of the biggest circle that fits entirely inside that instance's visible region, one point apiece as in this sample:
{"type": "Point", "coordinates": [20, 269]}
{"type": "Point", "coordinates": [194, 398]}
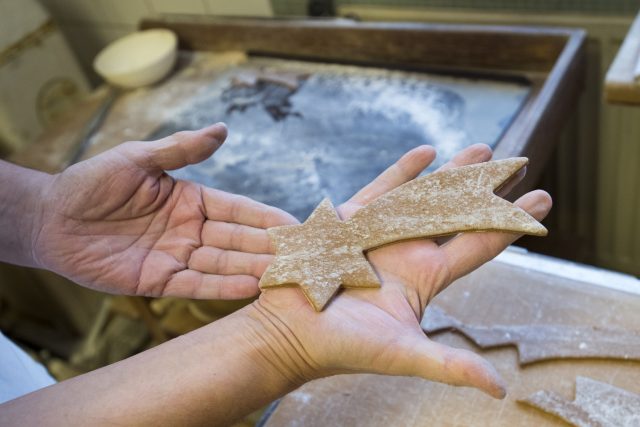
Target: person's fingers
{"type": "Point", "coordinates": [411, 164]}
{"type": "Point", "coordinates": [177, 150]}
{"type": "Point", "coordinates": [197, 285]}
{"type": "Point", "coordinates": [227, 207]}
{"type": "Point", "coordinates": [207, 259]}
{"type": "Point", "coordinates": [405, 169]}
{"type": "Point", "coordinates": [476, 153]}
{"type": "Point", "coordinates": [468, 251]}
{"type": "Point", "coordinates": [237, 237]}
{"type": "Point", "coordinates": [416, 355]}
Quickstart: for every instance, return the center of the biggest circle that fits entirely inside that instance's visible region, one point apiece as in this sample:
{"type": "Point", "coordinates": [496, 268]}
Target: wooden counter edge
{"type": "Point", "coordinates": [620, 85]}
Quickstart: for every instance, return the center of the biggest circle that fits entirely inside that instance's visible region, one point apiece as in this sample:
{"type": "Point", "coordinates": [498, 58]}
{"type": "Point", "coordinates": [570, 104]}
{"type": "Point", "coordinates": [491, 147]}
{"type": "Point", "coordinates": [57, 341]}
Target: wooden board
{"type": "Point", "coordinates": [622, 82]}
{"type": "Point", "coordinates": [337, 129]}
{"type": "Point", "coordinates": [498, 293]}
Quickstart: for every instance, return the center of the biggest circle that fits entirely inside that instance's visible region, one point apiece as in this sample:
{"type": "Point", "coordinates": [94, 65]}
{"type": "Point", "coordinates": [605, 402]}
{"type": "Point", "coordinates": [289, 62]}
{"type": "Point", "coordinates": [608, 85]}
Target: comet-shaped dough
{"type": "Point", "coordinates": [325, 252]}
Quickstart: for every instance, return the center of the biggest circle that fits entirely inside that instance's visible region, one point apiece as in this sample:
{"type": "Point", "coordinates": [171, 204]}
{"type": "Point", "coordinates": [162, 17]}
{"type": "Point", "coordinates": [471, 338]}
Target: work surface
{"type": "Point", "coordinates": [337, 129]}
{"type": "Point", "coordinates": [326, 133]}
{"type": "Point", "coordinates": [516, 290]}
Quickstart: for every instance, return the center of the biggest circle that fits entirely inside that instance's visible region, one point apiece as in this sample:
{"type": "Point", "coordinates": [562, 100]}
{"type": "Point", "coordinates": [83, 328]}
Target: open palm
{"type": "Point", "coordinates": [118, 223]}
{"type": "Point", "coordinates": [378, 330]}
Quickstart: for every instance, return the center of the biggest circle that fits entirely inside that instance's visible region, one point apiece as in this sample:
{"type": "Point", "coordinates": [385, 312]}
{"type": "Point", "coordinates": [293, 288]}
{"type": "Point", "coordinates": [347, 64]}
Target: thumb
{"type": "Point", "coordinates": [180, 149]}
{"type": "Point", "coordinates": [418, 356]}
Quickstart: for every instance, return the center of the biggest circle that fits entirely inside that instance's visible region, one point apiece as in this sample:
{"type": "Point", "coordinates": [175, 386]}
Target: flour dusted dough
{"type": "Point", "coordinates": [597, 404]}
{"type": "Point", "coordinates": [536, 342]}
{"type": "Point", "coordinates": [325, 252]}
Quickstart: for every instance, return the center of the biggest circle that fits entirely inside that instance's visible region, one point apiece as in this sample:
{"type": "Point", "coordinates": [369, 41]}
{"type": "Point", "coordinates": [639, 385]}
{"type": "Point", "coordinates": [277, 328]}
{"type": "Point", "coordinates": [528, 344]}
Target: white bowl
{"type": "Point", "coordinates": [138, 59]}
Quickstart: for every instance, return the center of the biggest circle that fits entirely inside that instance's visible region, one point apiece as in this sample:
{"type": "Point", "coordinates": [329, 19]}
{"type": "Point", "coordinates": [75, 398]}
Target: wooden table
{"type": "Point", "coordinates": [516, 289]}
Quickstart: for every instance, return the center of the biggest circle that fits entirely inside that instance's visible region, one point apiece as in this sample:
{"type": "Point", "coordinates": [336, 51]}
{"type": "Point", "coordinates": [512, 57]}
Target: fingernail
{"type": "Point", "coordinates": [501, 393]}
{"type": "Point", "coordinates": [221, 128]}
{"type": "Point", "coordinates": [481, 152]}
{"type": "Point", "coordinates": [501, 388]}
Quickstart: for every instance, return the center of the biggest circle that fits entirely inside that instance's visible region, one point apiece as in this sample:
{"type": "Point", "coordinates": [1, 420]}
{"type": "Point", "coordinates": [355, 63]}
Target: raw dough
{"type": "Point", "coordinates": [324, 252]}
{"type": "Point", "coordinates": [597, 404]}
{"type": "Point", "coordinates": [543, 342]}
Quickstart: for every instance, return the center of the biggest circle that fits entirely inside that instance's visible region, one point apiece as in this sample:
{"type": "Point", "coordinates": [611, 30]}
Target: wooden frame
{"type": "Point", "coordinates": [621, 85]}
{"type": "Point", "coordinates": [551, 60]}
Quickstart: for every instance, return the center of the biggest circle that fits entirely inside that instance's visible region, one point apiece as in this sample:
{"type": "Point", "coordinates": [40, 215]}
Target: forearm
{"type": "Point", "coordinates": [211, 376]}
{"type": "Point", "coordinates": [21, 192]}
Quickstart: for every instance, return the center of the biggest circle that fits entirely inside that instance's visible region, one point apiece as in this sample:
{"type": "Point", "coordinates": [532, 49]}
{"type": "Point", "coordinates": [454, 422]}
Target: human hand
{"type": "Point", "coordinates": [145, 231]}
{"type": "Point", "coordinates": [378, 330]}
{"type": "Point", "coordinates": [118, 223]}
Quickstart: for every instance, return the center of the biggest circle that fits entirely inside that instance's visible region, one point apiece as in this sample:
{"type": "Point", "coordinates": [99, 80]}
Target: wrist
{"type": "Point", "coordinates": [277, 348]}
{"type": "Point", "coordinates": [242, 352]}
{"type": "Point", "coordinates": [22, 210]}
{"type": "Point", "coordinates": [40, 207]}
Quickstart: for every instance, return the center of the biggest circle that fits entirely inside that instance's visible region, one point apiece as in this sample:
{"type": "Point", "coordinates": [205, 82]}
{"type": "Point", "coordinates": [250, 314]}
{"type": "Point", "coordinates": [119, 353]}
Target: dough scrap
{"type": "Point", "coordinates": [325, 252]}
{"type": "Point", "coordinates": [597, 404]}
{"type": "Point", "coordinates": [542, 342]}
